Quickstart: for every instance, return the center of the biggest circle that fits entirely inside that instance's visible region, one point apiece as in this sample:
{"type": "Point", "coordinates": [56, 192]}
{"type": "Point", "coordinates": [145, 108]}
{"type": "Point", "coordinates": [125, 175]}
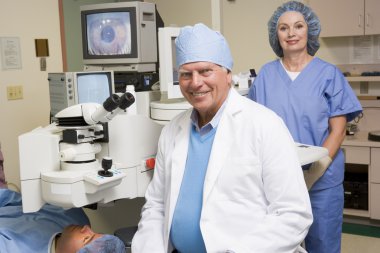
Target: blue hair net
{"type": "Point", "coordinates": [312, 21]}
{"type": "Point", "coordinates": [104, 244]}
{"type": "Point", "coordinates": [200, 43]}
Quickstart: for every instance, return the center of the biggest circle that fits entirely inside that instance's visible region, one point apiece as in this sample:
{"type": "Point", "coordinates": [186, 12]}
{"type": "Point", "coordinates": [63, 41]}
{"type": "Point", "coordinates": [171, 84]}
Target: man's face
{"type": "Point", "coordinates": [205, 85]}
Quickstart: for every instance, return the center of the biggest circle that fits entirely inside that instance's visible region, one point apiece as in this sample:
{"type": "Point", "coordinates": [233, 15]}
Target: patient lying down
{"type": "Point", "coordinates": [49, 230]}
{"type": "Point", "coordinates": [76, 238]}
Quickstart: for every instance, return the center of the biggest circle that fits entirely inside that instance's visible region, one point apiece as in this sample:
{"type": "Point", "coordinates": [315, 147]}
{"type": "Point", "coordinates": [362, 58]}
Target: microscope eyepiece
{"type": "Point", "coordinates": [126, 100]}
{"type": "Point", "coordinates": [111, 103]}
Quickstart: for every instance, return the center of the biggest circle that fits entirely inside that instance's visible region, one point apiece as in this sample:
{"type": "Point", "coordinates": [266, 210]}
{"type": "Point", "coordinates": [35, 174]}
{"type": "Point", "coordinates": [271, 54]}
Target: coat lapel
{"type": "Point", "coordinates": [222, 143]}
{"type": "Point", "coordinates": [179, 157]}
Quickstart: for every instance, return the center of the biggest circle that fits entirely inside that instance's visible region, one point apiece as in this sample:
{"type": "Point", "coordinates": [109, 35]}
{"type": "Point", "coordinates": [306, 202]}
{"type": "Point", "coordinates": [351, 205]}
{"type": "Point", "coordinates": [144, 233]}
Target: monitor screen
{"type": "Point", "coordinates": [93, 87]}
{"type": "Point", "coordinates": [122, 34]}
{"type": "Point", "coordinates": [109, 33]}
{"type": "Point", "coordinates": [70, 88]}
{"type": "Point", "coordinates": [175, 69]}
{"type": "Point", "coordinates": [168, 71]}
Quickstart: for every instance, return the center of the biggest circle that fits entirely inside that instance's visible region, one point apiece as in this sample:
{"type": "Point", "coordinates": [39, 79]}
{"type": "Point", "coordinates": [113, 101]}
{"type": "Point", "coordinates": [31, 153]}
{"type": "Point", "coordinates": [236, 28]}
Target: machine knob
{"type": "Point", "coordinates": [106, 165]}
{"type": "Point", "coordinates": [150, 163]}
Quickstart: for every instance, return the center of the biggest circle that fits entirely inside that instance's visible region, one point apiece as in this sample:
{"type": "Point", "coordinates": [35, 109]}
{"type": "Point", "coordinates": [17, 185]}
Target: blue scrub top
{"type": "Point", "coordinates": [318, 93]}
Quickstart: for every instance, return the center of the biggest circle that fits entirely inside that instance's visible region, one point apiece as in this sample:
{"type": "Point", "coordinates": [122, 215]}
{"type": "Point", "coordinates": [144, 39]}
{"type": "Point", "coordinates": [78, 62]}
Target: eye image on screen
{"type": "Point", "coordinates": [109, 33]}
{"type": "Point", "coordinates": [93, 88]}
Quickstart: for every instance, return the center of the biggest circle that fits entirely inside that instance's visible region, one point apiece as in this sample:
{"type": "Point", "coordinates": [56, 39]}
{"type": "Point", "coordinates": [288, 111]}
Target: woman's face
{"type": "Point", "coordinates": [292, 33]}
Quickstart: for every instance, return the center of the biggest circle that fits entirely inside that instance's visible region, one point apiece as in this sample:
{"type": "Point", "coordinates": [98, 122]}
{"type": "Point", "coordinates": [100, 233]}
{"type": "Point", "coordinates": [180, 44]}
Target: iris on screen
{"type": "Point", "coordinates": [109, 33]}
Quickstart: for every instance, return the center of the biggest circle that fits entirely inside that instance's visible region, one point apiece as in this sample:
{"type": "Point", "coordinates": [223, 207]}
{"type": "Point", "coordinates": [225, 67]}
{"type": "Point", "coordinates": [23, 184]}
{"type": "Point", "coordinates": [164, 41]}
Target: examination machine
{"type": "Point", "coordinates": [93, 153]}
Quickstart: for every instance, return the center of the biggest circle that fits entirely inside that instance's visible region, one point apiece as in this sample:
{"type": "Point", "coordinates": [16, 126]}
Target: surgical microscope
{"type": "Point", "coordinates": [92, 154]}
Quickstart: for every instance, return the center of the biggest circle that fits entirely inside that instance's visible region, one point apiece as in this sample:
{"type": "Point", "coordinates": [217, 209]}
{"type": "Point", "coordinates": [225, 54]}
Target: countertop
{"type": "Point", "coordinates": [360, 139]}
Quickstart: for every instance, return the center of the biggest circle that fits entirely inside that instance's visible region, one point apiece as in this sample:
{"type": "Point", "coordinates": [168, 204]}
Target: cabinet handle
{"type": "Point", "coordinates": [367, 20]}
{"type": "Point", "coordinates": [360, 20]}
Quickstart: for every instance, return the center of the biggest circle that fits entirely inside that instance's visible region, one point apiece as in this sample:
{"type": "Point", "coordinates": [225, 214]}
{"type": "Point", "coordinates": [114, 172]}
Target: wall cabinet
{"type": "Point", "coordinates": [347, 17]}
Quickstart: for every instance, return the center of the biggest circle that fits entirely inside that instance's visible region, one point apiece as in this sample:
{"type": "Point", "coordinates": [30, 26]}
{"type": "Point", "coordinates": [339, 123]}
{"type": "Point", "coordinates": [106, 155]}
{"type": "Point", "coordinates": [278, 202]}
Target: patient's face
{"type": "Point", "coordinates": [74, 237]}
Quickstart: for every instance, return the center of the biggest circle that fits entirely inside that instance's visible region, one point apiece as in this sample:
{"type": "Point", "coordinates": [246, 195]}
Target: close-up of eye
{"type": "Point", "coordinates": [282, 28]}
{"type": "Point", "coordinates": [299, 26]}
{"type": "Point", "coordinates": [109, 34]}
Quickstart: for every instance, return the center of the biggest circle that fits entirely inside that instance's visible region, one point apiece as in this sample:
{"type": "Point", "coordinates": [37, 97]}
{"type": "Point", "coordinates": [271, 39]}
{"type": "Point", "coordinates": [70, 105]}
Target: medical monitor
{"type": "Point", "coordinates": [71, 88]}
{"type": "Point", "coordinates": [122, 33]}
{"type": "Point", "coordinates": [168, 71]}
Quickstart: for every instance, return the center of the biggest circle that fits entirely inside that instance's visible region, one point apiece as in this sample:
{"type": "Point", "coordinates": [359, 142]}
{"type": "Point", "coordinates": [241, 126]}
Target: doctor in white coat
{"type": "Point", "coordinates": [227, 176]}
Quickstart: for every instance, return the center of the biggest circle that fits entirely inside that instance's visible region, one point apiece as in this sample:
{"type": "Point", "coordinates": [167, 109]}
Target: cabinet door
{"type": "Point", "coordinates": [374, 203]}
{"type": "Point", "coordinates": [372, 17]}
{"type": "Point", "coordinates": [340, 17]}
{"type": "Point", "coordinates": [356, 155]}
{"type": "Point", "coordinates": [375, 166]}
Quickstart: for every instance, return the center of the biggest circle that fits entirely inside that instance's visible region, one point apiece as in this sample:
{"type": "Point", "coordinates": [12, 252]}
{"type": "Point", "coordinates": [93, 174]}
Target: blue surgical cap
{"type": "Point", "coordinates": [104, 244]}
{"type": "Point", "coordinates": [312, 21]}
{"type": "Point", "coordinates": [200, 43]}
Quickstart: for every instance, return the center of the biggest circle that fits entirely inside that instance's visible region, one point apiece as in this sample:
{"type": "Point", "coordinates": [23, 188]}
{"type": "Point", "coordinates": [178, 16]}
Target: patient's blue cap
{"type": "Point", "coordinates": [200, 43]}
{"type": "Point", "coordinates": [104, 244]}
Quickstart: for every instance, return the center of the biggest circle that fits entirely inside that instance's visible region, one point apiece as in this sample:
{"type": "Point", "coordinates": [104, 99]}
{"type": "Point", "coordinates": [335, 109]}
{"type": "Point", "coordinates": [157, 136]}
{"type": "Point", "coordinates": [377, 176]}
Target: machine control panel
{"type": "Point", "coordinates": [96, 179]}
{"type": "Point", "coordinates": [95, 182]}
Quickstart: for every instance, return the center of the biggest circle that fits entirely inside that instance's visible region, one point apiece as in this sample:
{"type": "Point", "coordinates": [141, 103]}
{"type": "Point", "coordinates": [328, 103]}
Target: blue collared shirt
{"type": "Point", "coordinates": [213, 123]}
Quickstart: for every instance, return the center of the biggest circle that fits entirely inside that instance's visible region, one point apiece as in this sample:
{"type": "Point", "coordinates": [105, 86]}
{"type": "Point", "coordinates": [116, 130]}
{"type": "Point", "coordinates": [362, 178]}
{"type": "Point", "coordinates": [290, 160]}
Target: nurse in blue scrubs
{"type": "Point", "coordinates": [315, 101]}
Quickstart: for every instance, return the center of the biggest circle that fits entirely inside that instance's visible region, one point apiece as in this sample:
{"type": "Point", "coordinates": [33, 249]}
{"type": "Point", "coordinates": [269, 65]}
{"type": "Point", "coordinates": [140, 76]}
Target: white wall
{"type": "Point", "coordinates": [27, 20]}
{"type": "Point", "coordinates": [183, 12]}
{"type": "Point", "coordinates": [244, 24]}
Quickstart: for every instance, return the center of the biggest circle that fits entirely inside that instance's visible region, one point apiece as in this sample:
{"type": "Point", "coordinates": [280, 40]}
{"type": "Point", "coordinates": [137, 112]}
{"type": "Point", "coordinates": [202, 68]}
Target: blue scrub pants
{"type": "Point", "coordinates": [326, 231]}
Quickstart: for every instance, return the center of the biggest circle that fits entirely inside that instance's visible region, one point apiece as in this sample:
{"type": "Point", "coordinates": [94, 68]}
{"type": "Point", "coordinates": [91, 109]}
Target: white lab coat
{"type": "Point", "coordinates": [254, 199]}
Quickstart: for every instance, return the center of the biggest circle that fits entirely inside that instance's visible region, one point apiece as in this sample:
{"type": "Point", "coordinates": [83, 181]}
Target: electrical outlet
{"type": "Point", "coordinates": [15, 92]}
